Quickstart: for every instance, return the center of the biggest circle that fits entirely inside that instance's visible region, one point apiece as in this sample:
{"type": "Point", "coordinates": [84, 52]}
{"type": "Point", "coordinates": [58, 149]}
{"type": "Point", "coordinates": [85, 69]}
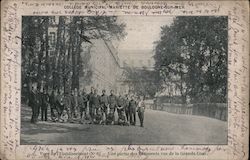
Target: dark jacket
{"type": "Point", "coordinates": [32, 99]}
{"type": "Point", "coordinates": [44, 99]}
{"type": "Point", "coordinates": [85, 99]}
{"type": "Point", "coordinates": [39, 98]}
{"type": "Point", "coordinates": [126, 105]}
{"type": "Point", "coordinates": [96, 101]}
{"type": "Point", "coordinates": [67, 101]}
{"type": "Point", "coordinates": [104, 100]}
{"type": "Point", "coordinates": [112, 101]}
{"type": "Point", "coordinates": [52, 99]}
{"type": "Point", "coordinates": [73, 100]}
{"type": "Point", "coordinates": [90, 98]}
{"type": "Point", "coordinates": [132, 105]}
{"type": "Point", "coordinates": [120, 101]}
{"type": "Point", "coordinates": [80, 100]}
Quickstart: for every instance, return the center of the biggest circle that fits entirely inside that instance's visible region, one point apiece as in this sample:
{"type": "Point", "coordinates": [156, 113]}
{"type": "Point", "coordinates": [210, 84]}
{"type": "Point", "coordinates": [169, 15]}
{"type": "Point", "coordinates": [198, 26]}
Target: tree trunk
{"type": "Point", "coordinates": [47, 62]}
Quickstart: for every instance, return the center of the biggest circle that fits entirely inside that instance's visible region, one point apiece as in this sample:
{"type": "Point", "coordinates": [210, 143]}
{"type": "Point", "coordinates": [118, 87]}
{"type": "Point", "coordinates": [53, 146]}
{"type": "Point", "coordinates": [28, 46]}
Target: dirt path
{"type": "Point", "coordinates": [160, 128]}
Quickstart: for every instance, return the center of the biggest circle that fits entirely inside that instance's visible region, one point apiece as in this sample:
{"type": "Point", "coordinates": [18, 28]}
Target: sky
{"type": "Point", "coordinates": [142, 31]}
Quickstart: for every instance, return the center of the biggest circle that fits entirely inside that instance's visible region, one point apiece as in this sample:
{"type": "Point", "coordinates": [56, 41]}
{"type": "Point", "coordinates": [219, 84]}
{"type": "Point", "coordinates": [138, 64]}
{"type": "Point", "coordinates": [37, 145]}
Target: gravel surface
{"type": "Point", "coordinates": [160, 128]}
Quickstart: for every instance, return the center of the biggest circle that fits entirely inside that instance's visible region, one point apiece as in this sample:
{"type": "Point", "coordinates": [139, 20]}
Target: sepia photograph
{"type": "Point", "coordinates": [122, 80]}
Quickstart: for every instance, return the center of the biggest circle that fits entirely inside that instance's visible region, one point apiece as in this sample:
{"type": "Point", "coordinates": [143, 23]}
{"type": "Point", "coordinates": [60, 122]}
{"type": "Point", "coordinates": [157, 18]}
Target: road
{"type": "Point", "coordinates": [160, 128]}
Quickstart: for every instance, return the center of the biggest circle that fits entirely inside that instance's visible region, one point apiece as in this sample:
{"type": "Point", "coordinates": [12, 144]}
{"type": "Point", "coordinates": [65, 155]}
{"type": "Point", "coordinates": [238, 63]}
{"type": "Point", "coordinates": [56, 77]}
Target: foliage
{"type": "Point", "coordinates": [192, 56]}
{"type": "Point", "coordinates": [59, 65]}
{"type": "Point", "coordinates": [143, 81]}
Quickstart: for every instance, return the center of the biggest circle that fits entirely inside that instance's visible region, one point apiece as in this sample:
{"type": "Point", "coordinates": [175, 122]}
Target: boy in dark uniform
{"type": "Point", "coordinates": [120, 105]}
{"type": "Point", "coordinates": [90, 99]}
{"type": "Point", "coordinates": [98, 117]}
{"type": "Point", "coordinates": [112, 104]}
{"type": "Point", "coordinates": [132, 111]}
{"type": "Point", "coordinates": [59, 103]}
{"type": "Point", "coordinates": [44, 107]}
{"type": "Point", "coordinates": [141, 110]}
{"type": "Point", "coordinates": [126, 107]}
{"type": "Point", "coordinates": [122, 119]}
{"type": "Point", "coordinates": [67, 106]}
{"type": "Point", "coordinates": [39, 97]}
{"type": "Point", "coordinates": [34, 105]}
{"type": "Point", "coordinates": [83, 107]}
{"type": "Point", "coordinates": [53, 108]}
{"type": "Point", "coordinates": [104, 104]}
{"type": "Point", "coordinates": [110, 118]}
{"type": "Point", "coordinates": [96, 103]}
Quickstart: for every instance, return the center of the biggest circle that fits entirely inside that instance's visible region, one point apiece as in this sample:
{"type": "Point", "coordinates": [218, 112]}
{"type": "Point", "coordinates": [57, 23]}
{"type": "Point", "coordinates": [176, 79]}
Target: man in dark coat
{"type": "Point", "coordinates": [44, 106]}
{"type": "Point", "coordinates": [53, 108]}
{"type": "Point", "coordinates": [33, 103]}
{"type": "Point", "coordinates": [132, 111]}
{"type": "Point", "coordinates": [67, 105]}
{"type": "Point", "coordinates": [120, 104]}
{"type": "Point", "coordinates": [126, 107]}
{"type": "Point", "coordinates": [90, 99]}
{"type": "Point", "coordinates": [83, 105]}
{"type": "Point", "coordinates": [141, 110]}
{"type": "Point", "coordinates": [96, 102]}
{"type": "Point", "coordinates": [104, 103]}
{"type": "Point", "coordinates": [39, 98]}
{"type": "Point", "coordinates": [59, 103]}
{"type": "Point", "coordinates": [112, 104]}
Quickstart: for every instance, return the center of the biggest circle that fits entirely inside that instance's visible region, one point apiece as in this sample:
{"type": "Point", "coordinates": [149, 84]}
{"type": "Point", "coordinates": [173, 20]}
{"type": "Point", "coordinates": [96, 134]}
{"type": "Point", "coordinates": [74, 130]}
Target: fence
{"type": "Point", "coordinates": [213, 110]}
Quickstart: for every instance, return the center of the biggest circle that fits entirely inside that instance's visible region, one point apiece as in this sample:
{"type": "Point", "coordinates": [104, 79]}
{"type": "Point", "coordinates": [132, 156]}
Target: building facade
{"type": "Point", "coordinates": [105, 67]}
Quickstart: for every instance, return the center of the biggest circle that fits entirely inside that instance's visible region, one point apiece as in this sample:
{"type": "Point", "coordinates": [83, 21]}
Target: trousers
{"type": "Point", "coordinates": [141, 117]}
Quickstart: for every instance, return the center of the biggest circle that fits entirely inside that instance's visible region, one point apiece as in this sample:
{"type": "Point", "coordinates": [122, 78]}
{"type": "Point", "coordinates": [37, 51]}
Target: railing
{"type": "Point", "coordinates": [213, 110]}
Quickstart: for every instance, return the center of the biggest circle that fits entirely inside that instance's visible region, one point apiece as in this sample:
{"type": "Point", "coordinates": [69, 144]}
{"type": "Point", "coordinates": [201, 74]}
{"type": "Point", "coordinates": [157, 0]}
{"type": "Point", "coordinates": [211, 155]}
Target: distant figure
{"type": "Point", "coordinates": [122, 119]}
{"type": "Point", "coordinates": [67, 107]}
{"type": "Point", "coordinates": [141, 110]}
{"type": "Point", "coordinates": [120, 104]}
{"type": "Point", "coordinates": [39, 95]}
{"type": "Point", "coordinates": [126, 107]}
{"type": "Point", "coordinates": [64, 117]}
{"type": "Point", "coordinates": [33, 103]}
{"type": "Point", "coordinates": [53, 107]}
{"type": "Point", "coordinates": [90, 99]}
{"type": "Point", "coordinates": [58, 99]}
{"type": "Point", "coordinates": [132, 111]}
{"type": "Point", "coordinates": [112, 103]}
{"type": "Point", "coordinates": [83, 106]}
{"type": "Point", "coordinates": [44, 106]}
{"type": "Point", "coordinates": [95, 103]}
{"type": "Point", "coordinates": [104, 104]}
{"type": "Point", "coordinates": [98, 117]}
{"type": "Point", "coordinates": [110, 118]}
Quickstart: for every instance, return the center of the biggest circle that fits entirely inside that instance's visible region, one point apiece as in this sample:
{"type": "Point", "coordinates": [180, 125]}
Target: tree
{"type": "Point", "coordinates": [62, 68]}
{"type": "Point", "coordinates": [144, 82]}
{"type": "Point", "coordinates": [192, 54]}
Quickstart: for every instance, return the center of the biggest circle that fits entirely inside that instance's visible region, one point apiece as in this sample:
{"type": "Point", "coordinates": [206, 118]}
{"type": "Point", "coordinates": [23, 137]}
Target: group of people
{"type": "Point", "coordinates": [79, 106]}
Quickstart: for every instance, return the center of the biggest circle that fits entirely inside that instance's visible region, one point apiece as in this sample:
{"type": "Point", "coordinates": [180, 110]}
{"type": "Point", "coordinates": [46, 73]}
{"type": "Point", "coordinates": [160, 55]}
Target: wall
{"type": "Point", "coordinates": [104, 64]}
